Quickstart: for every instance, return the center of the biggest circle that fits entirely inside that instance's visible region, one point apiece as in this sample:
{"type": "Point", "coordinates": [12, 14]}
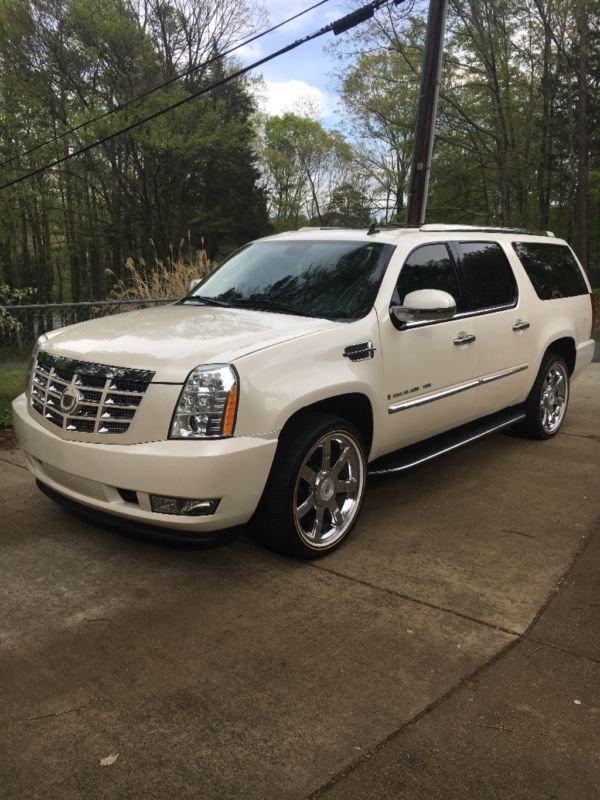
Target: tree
{"type": "Point", "coordinates": [516, 138]}
{"type": "Point", "coordinates": [303, 163]}
{"type": "Point", "coordinates": [348, 206]}
{"type": "Point", "coordinates": [192, 169]}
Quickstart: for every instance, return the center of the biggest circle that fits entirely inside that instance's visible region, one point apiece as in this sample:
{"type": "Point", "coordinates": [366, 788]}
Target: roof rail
{"type": "Point", "coordinates": [434, 226]}
{"type": "Point", "coordinates": [330, 228]}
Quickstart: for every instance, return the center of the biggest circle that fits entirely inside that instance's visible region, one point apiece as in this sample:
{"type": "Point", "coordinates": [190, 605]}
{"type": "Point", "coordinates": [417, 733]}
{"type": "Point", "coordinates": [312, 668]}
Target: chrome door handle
{"type": "Point", "coordinates": [520, 325]}
{"type": "Point", "coordinates": [464, 338]}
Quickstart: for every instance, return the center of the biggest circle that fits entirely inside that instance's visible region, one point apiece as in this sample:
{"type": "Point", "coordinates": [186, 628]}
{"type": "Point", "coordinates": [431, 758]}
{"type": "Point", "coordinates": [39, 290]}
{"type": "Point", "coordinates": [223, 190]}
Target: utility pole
{"type": "Point", "coordinates": [429, 89]}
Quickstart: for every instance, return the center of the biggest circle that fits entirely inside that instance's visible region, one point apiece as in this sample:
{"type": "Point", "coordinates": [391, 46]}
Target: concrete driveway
{"type": "Point", "coordinates": [415, 663]}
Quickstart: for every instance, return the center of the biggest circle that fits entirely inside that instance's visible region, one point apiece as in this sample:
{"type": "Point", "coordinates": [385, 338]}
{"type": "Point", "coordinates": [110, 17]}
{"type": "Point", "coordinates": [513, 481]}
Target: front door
{"type": "Point", "coordinates": [430, 369]}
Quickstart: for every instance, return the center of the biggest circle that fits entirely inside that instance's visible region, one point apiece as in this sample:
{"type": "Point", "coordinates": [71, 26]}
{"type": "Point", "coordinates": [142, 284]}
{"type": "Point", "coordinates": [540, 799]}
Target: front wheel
{"type": "Point", "coordinates": [315, 488]}
{"type": "Point", "coordinates": [547, 403]}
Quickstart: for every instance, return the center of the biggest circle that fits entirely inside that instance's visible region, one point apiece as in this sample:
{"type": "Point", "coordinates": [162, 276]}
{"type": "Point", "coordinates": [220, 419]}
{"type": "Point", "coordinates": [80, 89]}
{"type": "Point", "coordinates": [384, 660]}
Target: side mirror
{"type": "Point", "coordinates": [193, 283]}
{"type": "Point", "coordinates": [425, 305]}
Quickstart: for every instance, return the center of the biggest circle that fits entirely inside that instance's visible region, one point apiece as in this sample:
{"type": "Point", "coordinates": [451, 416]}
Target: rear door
{"type": "Point", "coordinates": [505, 344]}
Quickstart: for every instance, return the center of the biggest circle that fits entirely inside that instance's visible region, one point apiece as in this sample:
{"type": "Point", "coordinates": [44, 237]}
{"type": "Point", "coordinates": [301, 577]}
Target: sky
{"type": "Point", "coordinates": [305, 73]}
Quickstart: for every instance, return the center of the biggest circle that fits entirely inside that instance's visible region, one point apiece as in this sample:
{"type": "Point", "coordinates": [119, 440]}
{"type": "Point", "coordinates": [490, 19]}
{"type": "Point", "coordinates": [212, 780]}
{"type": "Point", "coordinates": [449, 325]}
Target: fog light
{"type": "Point", "coordinates": [179, 505]}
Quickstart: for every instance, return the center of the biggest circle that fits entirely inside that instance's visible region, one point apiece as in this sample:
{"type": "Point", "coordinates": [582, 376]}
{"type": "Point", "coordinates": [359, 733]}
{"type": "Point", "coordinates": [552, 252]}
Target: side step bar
{"type": "Point", "coordinates": [425, 451]}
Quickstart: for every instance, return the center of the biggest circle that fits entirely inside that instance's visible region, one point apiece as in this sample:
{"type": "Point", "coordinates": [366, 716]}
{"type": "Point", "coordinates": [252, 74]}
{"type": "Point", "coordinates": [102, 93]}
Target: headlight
{"type": "Point", "coordinates": [207, 404]}
{"type": "Point", "coordinates": [32, 361]}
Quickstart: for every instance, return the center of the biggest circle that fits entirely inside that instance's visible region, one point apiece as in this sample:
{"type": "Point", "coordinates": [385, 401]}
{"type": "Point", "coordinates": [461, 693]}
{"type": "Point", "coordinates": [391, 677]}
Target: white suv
{"type": "Point", "coordinates": [306, 361]}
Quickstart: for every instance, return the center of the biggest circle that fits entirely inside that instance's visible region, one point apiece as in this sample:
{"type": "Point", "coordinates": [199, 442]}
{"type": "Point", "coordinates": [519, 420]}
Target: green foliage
{"type": "Point", "coordinates": [12, 383]}
{"type": "Point", "coordinates": [303, 163]}
{"type": "Point", "coordinates": [379, 91]}
{"type": "Point", "coordinates": [348, 207]}
{"type": "Point", "coordinates": [9, 324]}
{"type": "Point", "coordinates": [195, 168]}
{"type": "Point", "coordinates": [513, 145]}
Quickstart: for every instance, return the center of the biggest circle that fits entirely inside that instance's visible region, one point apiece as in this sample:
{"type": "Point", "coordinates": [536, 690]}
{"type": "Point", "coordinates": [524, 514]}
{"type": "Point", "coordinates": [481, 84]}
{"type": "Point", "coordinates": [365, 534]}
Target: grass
{"type": "Point", "coordinates": [12, 383]}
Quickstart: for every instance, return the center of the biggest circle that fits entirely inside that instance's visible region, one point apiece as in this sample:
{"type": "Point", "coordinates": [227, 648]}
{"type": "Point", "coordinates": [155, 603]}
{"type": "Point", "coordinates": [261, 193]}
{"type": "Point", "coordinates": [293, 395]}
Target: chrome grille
{"type": "Point", "coordinates": [85, 397]}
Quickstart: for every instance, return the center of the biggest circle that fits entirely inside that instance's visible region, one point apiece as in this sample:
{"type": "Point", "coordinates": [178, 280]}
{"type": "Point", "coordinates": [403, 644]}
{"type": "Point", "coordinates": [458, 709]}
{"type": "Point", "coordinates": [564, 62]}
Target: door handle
{"type": "Point", "coordinates": [520, 325]}
{"type": "Point", "coordinates": [464, 338]}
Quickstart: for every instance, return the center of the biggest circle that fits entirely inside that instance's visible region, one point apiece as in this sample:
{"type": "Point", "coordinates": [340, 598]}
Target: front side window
{"type": "Point", "coordinates": [427, 267]}
{"type": "Point", "coordinates": [552, 269]}
{"type": "Point", "coordinates": [332, 279]}
{"type": "Point", "coordinates": [488, 278]}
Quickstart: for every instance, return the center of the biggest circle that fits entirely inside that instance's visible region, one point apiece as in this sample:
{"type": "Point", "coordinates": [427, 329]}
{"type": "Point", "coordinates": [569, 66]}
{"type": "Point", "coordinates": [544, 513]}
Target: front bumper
{"type": "Point", "coordinates": [234, 470]}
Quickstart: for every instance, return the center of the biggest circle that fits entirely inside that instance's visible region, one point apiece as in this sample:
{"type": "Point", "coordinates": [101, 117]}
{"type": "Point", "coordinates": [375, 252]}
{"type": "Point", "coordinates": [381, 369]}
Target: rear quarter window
{"type": "Point", "coordinates": [552, 269]}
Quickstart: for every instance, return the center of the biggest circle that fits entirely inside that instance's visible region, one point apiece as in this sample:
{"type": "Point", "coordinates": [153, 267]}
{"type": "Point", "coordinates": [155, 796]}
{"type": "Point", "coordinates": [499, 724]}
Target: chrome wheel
{"type": "Point", "coordinates": [554, 398]}
{"type": "Point", "coordinates": [329, 490]}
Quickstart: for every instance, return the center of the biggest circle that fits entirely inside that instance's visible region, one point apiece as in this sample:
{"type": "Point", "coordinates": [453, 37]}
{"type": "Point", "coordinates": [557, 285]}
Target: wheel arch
{"type": "Point", "coordinates": [564, 347]}
{"type": "Point", "coordinates": [352, 406]}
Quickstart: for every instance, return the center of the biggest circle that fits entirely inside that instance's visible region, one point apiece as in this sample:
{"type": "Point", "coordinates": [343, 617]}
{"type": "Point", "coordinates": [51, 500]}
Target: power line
{"type": "Point", "coordinates": [163, 85]}
{"type": "Point", "coordinates": [339, 26]}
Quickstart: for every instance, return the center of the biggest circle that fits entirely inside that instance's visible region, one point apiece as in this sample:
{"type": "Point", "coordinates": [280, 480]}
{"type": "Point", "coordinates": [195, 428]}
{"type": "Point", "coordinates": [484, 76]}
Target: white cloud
{"type": "Point", "coordinates": [279, 10]}
{"type": "Point", "coordinates": [250, 52]}
{"type": "Point", "coordinates": [277, 97]}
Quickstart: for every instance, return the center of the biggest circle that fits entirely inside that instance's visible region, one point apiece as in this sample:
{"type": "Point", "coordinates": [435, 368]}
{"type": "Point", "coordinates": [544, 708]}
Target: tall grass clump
{"type": "Point", "coordinates": [169, 277]}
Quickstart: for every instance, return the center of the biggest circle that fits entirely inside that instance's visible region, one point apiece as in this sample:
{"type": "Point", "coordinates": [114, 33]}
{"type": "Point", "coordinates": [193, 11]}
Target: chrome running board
{"type": "Point", "coordinates": [420, 453]}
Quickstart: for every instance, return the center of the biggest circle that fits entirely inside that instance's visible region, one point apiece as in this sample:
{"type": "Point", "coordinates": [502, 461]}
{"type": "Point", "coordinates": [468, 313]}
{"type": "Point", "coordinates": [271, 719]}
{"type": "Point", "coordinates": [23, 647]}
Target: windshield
{"type": "Point", "coordinates": [334, 279]}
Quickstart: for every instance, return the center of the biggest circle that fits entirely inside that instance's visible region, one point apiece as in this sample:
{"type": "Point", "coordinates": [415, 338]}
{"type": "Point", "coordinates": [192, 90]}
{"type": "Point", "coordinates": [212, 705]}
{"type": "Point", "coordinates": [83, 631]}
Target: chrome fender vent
{"type": "Point", "coordinates": [359, 352]}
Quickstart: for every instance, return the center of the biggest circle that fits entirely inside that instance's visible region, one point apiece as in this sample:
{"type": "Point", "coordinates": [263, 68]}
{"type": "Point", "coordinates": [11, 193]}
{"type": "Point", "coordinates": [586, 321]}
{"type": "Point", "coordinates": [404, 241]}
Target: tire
{"type": "Point", "coordinates": [315, 488]}
{"type": "Point", "coordinates": [547, 402]}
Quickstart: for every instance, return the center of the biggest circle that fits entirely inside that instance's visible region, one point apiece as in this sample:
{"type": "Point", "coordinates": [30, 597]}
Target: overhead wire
{"type": "Point", "coordinates": [337, 27]}
{"type": "Point", "coordinates": [186, 73]}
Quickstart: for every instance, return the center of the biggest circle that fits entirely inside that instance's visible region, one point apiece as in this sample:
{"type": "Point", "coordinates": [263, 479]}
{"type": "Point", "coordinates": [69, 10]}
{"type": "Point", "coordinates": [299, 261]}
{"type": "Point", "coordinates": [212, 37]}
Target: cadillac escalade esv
{"type": "Point", "coordinates": [305, 362]}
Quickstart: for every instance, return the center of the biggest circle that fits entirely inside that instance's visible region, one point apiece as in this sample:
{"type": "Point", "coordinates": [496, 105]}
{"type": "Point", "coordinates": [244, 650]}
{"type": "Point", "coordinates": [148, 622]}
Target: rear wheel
{"type": "Point", "coordinates": [315, 488]}
{"type": "Point", "coordinates": [547, 403]}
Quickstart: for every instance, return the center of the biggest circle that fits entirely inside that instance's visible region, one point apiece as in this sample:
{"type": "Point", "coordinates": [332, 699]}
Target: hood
{"type": "Point", "coordinates": [172, 340]}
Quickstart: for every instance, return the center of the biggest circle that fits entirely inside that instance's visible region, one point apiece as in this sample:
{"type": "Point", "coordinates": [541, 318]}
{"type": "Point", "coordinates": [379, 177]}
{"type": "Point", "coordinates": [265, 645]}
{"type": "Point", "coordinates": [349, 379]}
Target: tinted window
{"type": "Point", "coordinates": [427, 267]}
{"type": "Point", "coordinates": [488, 277]}
{"type": "Point", "coordinates": [552, 269]}
{"type": "Point", "coordinates": [336, 279]}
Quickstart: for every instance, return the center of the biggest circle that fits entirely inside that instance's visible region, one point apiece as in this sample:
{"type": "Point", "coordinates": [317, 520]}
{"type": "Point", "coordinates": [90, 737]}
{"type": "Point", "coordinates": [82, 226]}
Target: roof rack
{"type": "Point", "coordinates": [434, 226]}
{"type": "Point", "coordinates": [431, 227]}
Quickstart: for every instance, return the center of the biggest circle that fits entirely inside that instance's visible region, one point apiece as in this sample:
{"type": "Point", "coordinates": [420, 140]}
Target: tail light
{"type": "Point", "coordinates": [593, 301]}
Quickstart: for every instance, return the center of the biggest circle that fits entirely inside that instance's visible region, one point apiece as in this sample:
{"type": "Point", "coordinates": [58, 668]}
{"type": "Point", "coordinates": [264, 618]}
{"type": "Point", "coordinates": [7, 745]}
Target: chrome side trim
{"type": "Point", "coordinates": [505, 373]}
{"type": "Point", "coordinates": [450, 448]}
{"type": "Point", "coordinates": [421, 401]}
{"type": "Point", "coordinates": [489, 310]}
{"type": "Point", "coordinates": [463, 387]}
{"type": "Point", "coordinates": [464, 315]}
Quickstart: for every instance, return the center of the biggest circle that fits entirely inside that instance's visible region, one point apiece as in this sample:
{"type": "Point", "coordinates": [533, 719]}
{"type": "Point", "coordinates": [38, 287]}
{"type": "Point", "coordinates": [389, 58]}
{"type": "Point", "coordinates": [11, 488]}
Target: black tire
{"type": "Point", "coordinates": [297, 513]}
{"type": "Point", "coordinates": [546, 405]}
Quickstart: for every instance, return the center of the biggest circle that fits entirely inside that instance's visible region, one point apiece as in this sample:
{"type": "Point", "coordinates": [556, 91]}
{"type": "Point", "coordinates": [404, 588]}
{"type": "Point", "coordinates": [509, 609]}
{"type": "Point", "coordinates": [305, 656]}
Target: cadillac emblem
{"type": "Point", "coordinates": [69, 401]}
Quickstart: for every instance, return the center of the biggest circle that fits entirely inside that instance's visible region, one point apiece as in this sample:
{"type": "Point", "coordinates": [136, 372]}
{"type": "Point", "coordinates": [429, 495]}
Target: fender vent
{"type": "Point", "coordinates": [359, 352]}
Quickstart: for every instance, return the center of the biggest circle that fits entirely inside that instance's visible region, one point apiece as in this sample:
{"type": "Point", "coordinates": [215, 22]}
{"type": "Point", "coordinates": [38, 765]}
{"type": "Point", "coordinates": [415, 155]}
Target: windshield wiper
{"type": "Point", "coordinates": [270, 305]}
{"type": "Point", "coordinates": [206, 301]}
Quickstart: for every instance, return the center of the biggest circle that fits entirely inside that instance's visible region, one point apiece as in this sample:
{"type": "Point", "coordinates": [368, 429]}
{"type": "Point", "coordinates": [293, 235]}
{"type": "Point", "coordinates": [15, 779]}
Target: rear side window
{"type": "Point", "coordinates": [489, 279]}
{"type": "Point", "coordinates": [552, 269]}
{"type": "Point", "coordinates": [427, 267]}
